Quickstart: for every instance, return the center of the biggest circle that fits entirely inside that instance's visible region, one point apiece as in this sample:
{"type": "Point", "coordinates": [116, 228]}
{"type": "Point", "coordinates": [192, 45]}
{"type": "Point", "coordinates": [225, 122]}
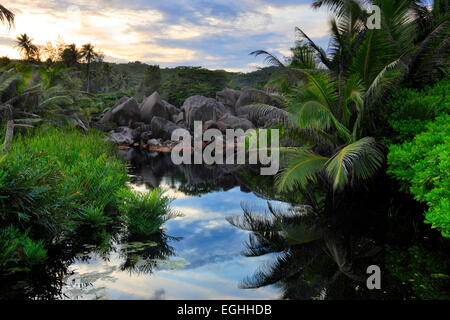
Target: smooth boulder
{"type": "Point", "coordinates": [124, 113]}
{"type": "Point", "coordinates": [228, 97]}
{"type": "Point", "coordinates": [163, 128]}
{"type": "Point", "coordinates": [153, 106]}
{"type": "Point", "coordinates": [236, 122]}
{"type": "Point", "coordinates": [122, 135]}
{"type": "Point", "coordinates": [199, 108]}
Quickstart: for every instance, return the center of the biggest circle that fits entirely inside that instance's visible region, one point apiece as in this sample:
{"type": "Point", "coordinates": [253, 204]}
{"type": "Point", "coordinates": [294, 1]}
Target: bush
{"type": "Point", "coordinates": [19, 250]}
{"type": "Point", "coordinates": [143, 213]}
{"type": "Point", "coordinates": [56, 183]}
{"type": "Point", "coordinates": [423, 168]}
{"type": "Point", "coordinates": [410, 110]}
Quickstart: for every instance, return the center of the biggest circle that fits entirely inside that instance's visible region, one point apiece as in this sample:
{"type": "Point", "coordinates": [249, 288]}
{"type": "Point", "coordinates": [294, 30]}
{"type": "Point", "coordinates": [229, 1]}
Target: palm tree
{"type": "Point", "coordinates": [26, 47]}
{"type": "Point", "coordinates": [71, 55]}
{"type": "Point", "coordinates": [29, 102]}
{"type": "Point", "coordinates": [88, 53]}
{"type": "Point", "coordinates": [328, 109]}
{"type": "Point", "coordinates": [6, 16]}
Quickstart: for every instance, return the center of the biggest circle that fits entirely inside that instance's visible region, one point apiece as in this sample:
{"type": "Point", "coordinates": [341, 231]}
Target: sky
{"type": "Point", "coordinates": [216, 34]}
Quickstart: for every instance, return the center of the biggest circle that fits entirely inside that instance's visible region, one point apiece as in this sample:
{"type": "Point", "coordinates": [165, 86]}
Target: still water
{"type": "Point", "coordinates": [206, 262]}
{"type": "Point", "coordinates": [234, 237]}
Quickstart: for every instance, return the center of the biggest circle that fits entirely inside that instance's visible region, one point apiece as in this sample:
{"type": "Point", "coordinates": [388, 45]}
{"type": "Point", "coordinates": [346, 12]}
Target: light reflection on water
{"type": "Point", "coordinates": [207, 263]}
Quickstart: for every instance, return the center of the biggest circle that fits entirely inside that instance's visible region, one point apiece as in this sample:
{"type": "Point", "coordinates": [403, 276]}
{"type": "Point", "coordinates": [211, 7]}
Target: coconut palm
{"type": "Point", "coordinates": [71, 55]}
{"type": "Point", "coordinates": [27, 102]}
{"type": "Point", "coordinates": [328, 109]}
{"type": "Point", "coordinates": [88, 53]}
{"type": "Point", "coordinates": [26, 47]}
{"type": "Point", "coordinates": [6, 16]}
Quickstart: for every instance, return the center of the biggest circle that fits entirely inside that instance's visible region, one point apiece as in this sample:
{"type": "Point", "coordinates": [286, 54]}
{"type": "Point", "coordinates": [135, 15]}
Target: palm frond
{"type": "Point", "coordinates": [270, 59]}
{"type": "Point", "coordinates": [381, 79]}
{"type": "Point", "coordinates": [319, 51]}
{"type": "Point", "coordinates": [303, 167]}
{"type": "Point", "coordinates": [313, 114]}
{"type": "Point", "coordinates": [264, 111]}
{"type": "Point", "coordinates": [6, 16]}
{"type": "Point", "coordinates": [362, 158]}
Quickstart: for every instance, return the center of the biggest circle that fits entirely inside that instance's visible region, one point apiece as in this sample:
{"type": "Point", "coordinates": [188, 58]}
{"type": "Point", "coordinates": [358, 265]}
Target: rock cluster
{"type": "Point", "coordinates": [151, 123]}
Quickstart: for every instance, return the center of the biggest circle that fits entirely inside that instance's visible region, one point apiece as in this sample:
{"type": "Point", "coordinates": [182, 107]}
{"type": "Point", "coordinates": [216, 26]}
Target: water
{"type": "Point", "coordinates": [206, 261]}
{"type": "Point", "coordinates": [236, 238]}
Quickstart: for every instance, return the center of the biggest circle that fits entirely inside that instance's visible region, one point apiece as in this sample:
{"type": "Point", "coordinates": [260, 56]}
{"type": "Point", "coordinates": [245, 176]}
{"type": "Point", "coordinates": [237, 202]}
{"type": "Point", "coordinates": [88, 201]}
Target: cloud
{"type": "Point", "coordinates": [217, 34]}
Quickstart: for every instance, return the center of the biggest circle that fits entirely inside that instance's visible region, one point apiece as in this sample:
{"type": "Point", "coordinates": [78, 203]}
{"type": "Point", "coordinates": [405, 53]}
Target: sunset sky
{"type": "Point", "coordinates": [216, 34]}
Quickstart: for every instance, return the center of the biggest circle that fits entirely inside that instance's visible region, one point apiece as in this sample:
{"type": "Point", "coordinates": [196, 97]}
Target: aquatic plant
{"type": "Point", "coordinates": [143, 213]}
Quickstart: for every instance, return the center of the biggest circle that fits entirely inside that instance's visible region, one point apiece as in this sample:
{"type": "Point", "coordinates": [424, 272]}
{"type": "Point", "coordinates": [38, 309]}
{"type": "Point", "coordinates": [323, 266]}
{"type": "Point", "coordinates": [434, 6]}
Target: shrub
{"type": "Point", "coordinates": [410, 110]}
{"type": "Point", "coordinates": [17, 250]}
{"type": "Point", "coordinates": [55, 182]}
{"type": "Point", "coordinates": [423, 168]}
{"type": "Point", "coordinates": [143, 213]}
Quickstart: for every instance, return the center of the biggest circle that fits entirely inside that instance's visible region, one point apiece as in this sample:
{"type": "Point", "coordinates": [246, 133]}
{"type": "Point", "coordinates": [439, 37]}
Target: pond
{"type": "Point", "coordinates": [205, 260]}
{"type": "Point", "coordinates": [234, 237]}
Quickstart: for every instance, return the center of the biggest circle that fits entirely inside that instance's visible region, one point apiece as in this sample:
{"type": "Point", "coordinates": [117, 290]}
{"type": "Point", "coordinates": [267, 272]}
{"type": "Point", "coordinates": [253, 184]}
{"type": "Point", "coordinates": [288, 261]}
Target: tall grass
{"type": "Point", "coordinates": [55, 182]}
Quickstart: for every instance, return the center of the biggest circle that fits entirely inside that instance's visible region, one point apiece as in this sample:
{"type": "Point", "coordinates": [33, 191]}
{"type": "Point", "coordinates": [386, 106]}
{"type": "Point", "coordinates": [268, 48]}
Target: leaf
{"type": "Point", "coordinates": [363, 158]}
{"type": "Point", "coordinates": [303, 166]}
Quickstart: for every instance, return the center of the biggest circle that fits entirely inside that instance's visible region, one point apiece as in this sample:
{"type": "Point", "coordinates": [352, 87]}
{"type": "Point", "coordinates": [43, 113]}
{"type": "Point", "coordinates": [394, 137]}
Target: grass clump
{"type": "Point", "coordinates": [144, 213]}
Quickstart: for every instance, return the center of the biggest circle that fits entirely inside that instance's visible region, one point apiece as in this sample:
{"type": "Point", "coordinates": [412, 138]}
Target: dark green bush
{"type": "Point", "coordinates": [409, 111]}
{"type": "Point", "coordinates": [423, 168]}
{"type": "Point", "coordinates": [426, 271]}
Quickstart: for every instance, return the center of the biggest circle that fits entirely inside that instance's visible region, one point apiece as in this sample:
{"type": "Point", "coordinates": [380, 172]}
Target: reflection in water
{"type": "Point", "coordinates": [320, 250]}
{"type": "Point", "coordinates": [315, 262]}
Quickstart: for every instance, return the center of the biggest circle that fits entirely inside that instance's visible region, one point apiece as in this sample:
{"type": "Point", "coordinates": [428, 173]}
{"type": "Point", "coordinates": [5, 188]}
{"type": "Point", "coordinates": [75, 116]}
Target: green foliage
{"type": "Point", "coordinates": [150, 83]}
{"type": "Point", "coordinates": [143, 213]}
{"type": "Point", "coordinates": [410, 110]}
{"type": "Point", "coordinates": [426, 271]}
{"type": "Point", "coordinates": [55, 181]}
{"type": "Point", "coordinates": [4, 61]}
{"type": "Point", "coordinates": [185, 82]}
{"type": "Point", "coordinates": [18, 250]}
{"type": "Point", "coordinates": [423, 168]}
{"type": "Point", "coordinates": [93, 216]}
{"type": "Point", "coordinates": [256, 79]}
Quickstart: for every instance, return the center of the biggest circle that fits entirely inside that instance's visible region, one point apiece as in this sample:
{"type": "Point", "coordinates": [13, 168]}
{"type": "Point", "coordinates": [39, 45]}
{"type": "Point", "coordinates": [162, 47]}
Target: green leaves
{"type": "Point", "coordinates": [303, 167]}
{"type": "Point", "coordinates": [361, 159]}
{"type": "Point", "coordinates": [423, 168]}
{"type": "Point", "coordinates": [143, 213]}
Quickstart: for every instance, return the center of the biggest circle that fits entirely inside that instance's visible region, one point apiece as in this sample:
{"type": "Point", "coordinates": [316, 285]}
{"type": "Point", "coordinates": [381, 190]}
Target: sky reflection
{"type": "Point", "coordinates": [207, 262]}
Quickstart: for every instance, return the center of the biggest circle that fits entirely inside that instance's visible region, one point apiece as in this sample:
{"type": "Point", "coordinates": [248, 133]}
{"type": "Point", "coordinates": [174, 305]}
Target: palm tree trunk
{"type": "Point", "coordinates": [88, 75]}
{"type": "Point", "coordinates": [9, 131]}
{"type": "Point", "coordinates": [8, 137]}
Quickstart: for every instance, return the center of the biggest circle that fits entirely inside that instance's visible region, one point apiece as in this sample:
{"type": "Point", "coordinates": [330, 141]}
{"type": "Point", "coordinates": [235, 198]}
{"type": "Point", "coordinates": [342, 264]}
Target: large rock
{"type": "Point", "coordinates": [198, 108]}
{"type": "Point", "coordinates": [228, 98]}
{"type": "Point", "coordinates": [122, 135]}
{"type": "Point", "coordinates": [171, 109]}
{"type": "Point", "coordinates": [252, 96]}
{"type": "Point", "coordinates": [162, 128]}
{"type": "Point", "coordinates": [178, 119]}
{"type": "Point", "coordinates": [153, 106]}
{"type": "Point", "coordinates": [236, 123]}
{"type": "Point", "coordinates": [124, 113]}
